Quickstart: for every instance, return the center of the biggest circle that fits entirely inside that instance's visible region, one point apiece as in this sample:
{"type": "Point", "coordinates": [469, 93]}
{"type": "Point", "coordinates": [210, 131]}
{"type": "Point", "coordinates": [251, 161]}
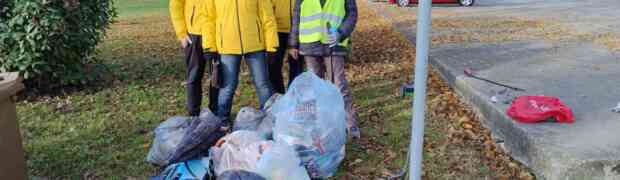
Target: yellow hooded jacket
{"type": "Point", "coordinates": [241, 26]}
{"type": "Point", "coordinates": [190, 17]}
{"type": "Point", "coordinates": [283, 10]}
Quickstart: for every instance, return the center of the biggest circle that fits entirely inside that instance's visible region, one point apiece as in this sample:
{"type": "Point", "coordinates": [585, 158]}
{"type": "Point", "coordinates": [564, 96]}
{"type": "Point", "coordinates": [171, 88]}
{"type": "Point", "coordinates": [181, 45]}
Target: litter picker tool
{"type": "Point", "coordinates": [470, 73]}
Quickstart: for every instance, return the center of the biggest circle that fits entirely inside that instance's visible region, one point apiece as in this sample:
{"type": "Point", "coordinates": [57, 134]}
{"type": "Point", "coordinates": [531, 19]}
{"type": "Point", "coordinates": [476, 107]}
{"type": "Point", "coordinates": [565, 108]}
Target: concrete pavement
{"type": "Point", "coordinates": [584, 75]}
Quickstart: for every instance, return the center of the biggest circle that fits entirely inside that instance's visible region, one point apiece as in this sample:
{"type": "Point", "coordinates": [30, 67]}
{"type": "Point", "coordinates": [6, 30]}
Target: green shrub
{"type": "Point", "coordinates": [53, 40]}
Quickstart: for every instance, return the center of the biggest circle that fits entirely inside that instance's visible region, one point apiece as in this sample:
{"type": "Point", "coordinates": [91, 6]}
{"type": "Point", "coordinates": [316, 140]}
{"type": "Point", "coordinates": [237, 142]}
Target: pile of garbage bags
{"type": "Point", "coordinates": [297, 136]}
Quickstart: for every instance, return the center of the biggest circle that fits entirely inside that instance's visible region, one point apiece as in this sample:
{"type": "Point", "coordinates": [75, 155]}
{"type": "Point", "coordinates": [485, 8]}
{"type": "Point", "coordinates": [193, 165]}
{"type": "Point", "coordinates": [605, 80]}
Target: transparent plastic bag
{"type": "Point", "coordinates": [239, 150]}
{"type": "Point", "coordinates": [280, 162]}
{"type": "Point", "coordinates": [248, 119]}
{"type": "Point", "coordinates": [251, 119]}
{"type": "Point", "coordinates": [273, 99]}
{"type": "Point", "coordinates": [168, 135]}
{"type": "Point", "coordinates": [311, 118]}
{"type": "Point", "coordinates": [199, 136]}
{"type": "Point", "coordinates": [265, 128]}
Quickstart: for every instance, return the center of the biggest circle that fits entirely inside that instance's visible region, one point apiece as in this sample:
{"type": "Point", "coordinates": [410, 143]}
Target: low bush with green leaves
{"type": "Point", "coordinates": [53, 41]}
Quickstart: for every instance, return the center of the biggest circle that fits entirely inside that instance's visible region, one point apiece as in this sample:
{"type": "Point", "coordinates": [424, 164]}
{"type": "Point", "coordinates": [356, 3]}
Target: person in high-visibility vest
{"type": "Point", "coordinates": [320, 32]}
{"type": "Point", "coordinates": [283, 10]}
{"type": "Point", "coordinates": [189, 18]}
{"type": "Point", "coordinates": [243, 30]}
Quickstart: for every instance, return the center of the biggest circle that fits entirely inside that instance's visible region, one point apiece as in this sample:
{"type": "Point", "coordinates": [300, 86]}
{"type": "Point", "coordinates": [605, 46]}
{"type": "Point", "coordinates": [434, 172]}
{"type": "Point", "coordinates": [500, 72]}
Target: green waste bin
{"type": "Point", "coordinates": [12, 163]}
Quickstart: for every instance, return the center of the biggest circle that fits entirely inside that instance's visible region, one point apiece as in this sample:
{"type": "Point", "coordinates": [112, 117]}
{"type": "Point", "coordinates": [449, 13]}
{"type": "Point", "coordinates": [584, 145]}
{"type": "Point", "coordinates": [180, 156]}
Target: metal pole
{"type": "Point", "coordinates": [421, 75]}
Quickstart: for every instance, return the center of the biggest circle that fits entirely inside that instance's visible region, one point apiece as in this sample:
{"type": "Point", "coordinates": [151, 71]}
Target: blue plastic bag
{"type": "Point", "coordinates": [311, 118]}
{"type": "Point", "coordinates": [198, 169]}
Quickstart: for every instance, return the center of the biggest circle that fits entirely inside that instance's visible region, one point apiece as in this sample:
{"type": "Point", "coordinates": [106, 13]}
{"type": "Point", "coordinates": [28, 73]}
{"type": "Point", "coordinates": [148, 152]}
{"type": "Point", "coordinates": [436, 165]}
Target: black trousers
{"type": "Point", "coordinates": [296, 67]}
{"type": "Point", "coordinates": [196, 61]}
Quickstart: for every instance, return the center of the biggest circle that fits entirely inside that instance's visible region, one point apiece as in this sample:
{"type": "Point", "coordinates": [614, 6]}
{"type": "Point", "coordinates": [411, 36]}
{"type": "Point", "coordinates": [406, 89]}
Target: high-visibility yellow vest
{"type": "Point", "coordinates": [314, 19]}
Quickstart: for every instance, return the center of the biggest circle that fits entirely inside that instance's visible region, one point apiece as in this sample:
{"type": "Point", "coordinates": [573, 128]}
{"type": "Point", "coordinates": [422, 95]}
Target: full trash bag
{"type": "Point", "coordinates": [248, 119]}
{"type": "Point", "coordinates": [251, 119]}
{"type": "Point", "coordinates": [168, 135]}
{"type": "Point", "coordinates": [239, 175]}
{"type": "Point", "coordinates": [192, 169]}
{"type": "Point", "coordinates": [311, 118]}
{"type": "Point", "coordinates": [273, 99]}
{"type": "Point", "coordinates": [265, 128]}
{"type": "Point", "coordinates": [199, 136]}
{"type": "Point", "coordinates": [239, 150]}
{"type": "Point", "coordinates": [280, 162]}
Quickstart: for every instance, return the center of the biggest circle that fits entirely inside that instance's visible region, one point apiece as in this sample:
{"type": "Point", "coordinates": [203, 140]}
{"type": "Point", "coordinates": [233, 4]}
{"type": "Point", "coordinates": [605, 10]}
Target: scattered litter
{"type": "Point", "coordinates": [494, 99]}
{"type": "Point", "coordinates": [311, 118]}
{"type": "Point", "coordinates": [504, 96]}
{"type": "Point", "coordinates": [616, 109]}
{"type": "Point", "coordinates": [280, 162]}
{"type": "Point", "coordinates": [193, 169]}
{"type": "Point", "coordinates": [239, 175]}
{"type": "Point", "coordinates": [533, 109]}
{"type": "Point", "coordinates": [470, 73]}
{"type": "Point", "coordinates": [239, 150]}
{"type": "Point", "coordinates": [168, 135]}
{"type": "Point", "coordinates": [407, 90]}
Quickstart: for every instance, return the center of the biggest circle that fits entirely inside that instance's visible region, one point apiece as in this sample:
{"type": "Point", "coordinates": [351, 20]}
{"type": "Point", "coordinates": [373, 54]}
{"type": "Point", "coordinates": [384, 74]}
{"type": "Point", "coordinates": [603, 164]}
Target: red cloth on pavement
{"type": "Point", "coordinates": [533, 109]}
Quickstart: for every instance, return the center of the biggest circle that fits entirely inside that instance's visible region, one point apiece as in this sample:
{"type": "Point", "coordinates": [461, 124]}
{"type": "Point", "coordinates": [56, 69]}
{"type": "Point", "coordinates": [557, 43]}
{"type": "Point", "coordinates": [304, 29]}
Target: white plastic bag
{"type": "Point", "coordinates": [240, 150]}
{"type": "Point", "coordinates": [167, 136]}
{"type": "Point", "coordinates": [311, 118]}
{"type": "Point", "coordinates": [280, 162]}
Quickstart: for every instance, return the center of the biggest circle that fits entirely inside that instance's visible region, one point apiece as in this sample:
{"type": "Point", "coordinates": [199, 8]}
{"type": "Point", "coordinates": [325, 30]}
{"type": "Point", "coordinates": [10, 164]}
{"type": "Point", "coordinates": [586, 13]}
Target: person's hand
{"type": "Point", "coordinates": [186, 42]}
{"type": "Point", "coordinates": [294, 53]}
{"type": "Point", "coordinates": [332, 38]}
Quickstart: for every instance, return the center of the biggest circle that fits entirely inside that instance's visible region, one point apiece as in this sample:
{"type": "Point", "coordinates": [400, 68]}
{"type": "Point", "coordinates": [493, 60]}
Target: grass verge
{"type": "Point", "coordinates": [106, 133]}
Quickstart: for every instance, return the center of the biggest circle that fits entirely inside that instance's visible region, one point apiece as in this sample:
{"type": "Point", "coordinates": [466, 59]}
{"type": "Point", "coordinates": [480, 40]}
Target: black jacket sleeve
{"type": "Point", "coordinates": [350, 19]}
{"type": "Point", "coordinates": [293, 39]}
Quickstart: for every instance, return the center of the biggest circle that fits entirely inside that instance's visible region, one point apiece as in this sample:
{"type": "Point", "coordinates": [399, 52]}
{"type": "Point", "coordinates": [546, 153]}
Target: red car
{"type": "Point", "coordinates": [404, 3]}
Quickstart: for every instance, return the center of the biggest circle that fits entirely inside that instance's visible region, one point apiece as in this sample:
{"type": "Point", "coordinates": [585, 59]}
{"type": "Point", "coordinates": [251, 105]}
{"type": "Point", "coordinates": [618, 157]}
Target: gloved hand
{"type": "Point", "coordinates": [333, 38]}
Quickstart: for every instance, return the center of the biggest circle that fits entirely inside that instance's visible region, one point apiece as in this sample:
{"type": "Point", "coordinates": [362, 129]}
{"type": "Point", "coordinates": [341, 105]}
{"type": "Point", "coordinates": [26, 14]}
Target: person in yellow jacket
{"type": "Point", "coordinates": [244, 29]}
{"type": "Point", "coordinates": [189, 17]}
{"type": "Point", "coordinates": [283, 10]}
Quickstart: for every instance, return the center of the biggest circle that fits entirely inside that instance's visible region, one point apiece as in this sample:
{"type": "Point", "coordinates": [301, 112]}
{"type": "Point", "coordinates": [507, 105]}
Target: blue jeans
{"type": "Point", "coordinates": [229, 68]}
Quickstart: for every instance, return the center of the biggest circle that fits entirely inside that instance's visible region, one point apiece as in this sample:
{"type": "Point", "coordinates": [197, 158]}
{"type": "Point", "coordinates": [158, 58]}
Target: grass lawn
{"type": "Point", "coordinates": [105, 132]}
{"type": "Point", "coordinates": [141, 8]}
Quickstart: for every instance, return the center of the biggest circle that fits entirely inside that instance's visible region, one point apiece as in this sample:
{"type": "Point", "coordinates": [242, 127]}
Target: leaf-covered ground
{"type": "Point", "coordinates": [105, 132]}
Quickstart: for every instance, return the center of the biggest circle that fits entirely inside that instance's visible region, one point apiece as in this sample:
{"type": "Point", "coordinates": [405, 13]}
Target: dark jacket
{"type": "Point", "coordinates": [316, 48]}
